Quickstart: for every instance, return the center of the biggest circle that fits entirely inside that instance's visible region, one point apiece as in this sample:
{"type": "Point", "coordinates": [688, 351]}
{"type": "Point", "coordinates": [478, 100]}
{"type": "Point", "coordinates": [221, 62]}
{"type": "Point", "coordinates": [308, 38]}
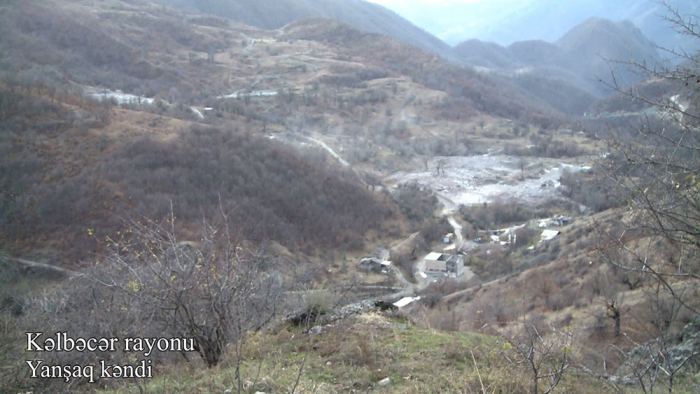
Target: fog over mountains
{"type": "Point", "coordinates": [568, 43]}
{"type": "Point", "coordinates": [581, 58]}
{"type": "Point", "coordinates": [435, 26]}
{"type": "Point", "coordinates": [508, 21]}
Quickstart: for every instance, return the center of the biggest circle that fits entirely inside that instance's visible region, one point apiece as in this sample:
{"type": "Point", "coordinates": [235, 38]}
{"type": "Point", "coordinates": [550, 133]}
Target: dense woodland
{"type": "Point", "coordinates": [299, 199]}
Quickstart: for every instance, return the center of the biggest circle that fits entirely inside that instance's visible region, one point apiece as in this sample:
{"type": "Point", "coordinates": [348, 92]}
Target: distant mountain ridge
{"type": "Point", "coordinates": [508, 21]}
{"type": "Point", "coordinates": [581, 58]}
{"type": "Point", "coordinates": [273, 14]}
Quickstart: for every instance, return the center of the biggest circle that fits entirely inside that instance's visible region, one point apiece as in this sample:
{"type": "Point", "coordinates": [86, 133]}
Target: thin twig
{"type": "Point", "coordinates": [483, 389]}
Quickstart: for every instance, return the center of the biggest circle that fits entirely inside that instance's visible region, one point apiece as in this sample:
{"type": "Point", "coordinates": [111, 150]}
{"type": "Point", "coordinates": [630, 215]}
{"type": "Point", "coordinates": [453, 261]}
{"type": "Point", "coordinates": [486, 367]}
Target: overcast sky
{"type": "Point", "coordinates": [507, 21]}
{"type": "Point", "coordinates": [445, 18]}
{"type": "Point", "coordinates": [403, 7]}
{"type": "Point", "coordinates": [397, 4]}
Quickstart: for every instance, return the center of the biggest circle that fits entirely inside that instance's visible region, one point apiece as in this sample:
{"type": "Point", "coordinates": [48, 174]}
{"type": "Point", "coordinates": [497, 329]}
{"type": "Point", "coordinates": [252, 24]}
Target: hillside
{"type": "Point", "coordinates": [558, 68]}
{"type": "Point", "coordinates": [486, 54]}
{"type": "Point", "coordinates": [380, 103]}
{"type": "Point", "coordinates": [132, 161]}
{"type": "Point", "coordinates": [600, 41]}
{"type": "Point", "coordinates": [373, 351]}
{"type": "Point", "coordinates": [315, 207]}
{"type": "Point", "coordinates": [494, 95]}
{"type": "Point", "coordinates": [197, 169]}
{"type": "Point", "coordinates": [360, 14]}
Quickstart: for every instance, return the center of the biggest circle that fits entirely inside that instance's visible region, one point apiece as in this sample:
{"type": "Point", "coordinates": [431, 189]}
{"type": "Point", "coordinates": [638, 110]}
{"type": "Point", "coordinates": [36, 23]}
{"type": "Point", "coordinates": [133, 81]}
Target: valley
{"type": "Point", "coordinates": [324, 207]}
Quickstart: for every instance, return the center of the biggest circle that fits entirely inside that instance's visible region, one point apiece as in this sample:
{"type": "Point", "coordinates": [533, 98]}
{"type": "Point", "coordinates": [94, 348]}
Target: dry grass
{"type": "Point", "coordinates": [355, 355]}
{"type": "Point", "coordinates": [570, 291]}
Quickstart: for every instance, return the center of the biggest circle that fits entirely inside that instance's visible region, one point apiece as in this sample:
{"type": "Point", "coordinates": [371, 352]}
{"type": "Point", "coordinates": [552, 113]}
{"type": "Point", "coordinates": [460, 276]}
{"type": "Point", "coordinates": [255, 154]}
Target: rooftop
{"type": "Point", "coordinates": [405, 301]}
{"type": "Point", "coordinates": [549, 235]}
{"type": "Point", "coordinates": [433, 256]}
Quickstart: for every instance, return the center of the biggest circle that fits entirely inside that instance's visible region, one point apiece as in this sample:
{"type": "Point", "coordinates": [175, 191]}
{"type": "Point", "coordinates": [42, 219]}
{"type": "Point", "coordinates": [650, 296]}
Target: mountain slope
{"type": "Point", "coordinates": [468, 89]}
{"type": "Point", "coordinates": [327, 81]}
{"type": "Point", "coordinates": [273, 14]}
{"type": "Point", "coordinates": [508, 21]}
{"type": "Point", "coordinates": [579, 60]}
{"type": "Point", "coordinates": [596, 42]}
{"type": "Point", "coordinates": [72, 167]}
{"type": "Point", "coordinates": [486, 54]}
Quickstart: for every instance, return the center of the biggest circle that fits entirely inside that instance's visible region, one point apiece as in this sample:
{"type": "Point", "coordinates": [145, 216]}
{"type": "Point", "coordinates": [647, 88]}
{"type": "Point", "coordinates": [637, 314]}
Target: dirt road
{"type": "Point", "coordinates": [329, 150]}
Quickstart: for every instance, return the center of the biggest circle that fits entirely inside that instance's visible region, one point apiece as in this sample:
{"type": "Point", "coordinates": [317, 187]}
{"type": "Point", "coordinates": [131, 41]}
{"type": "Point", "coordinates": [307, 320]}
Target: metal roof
{"type": "Point", "coordinates": [549, 235]}
{"type": "Point", "coordinates": [405, 301]}
{"type": "Point", "coordinates": [433, 256]}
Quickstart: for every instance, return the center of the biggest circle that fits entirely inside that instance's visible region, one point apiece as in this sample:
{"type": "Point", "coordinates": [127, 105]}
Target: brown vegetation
{"type": "Point", "coordinates": [297, 199]}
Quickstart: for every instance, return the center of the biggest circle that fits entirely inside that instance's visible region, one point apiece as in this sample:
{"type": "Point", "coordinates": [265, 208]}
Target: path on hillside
{"type": "Point", "coordinates": [329, 150]}
{"type": "Point", "coordinates": [457, 227]}
{"type": "Point", "coordinates": [35, 264]}
{"type": "Point", "coordinates": [403, 243]}
{"type": "Point", "coordinates": [397, 272]}
{"type": "Point", "coordinates": [408, 287]}
{"type": "Point", "coordinates": [250, 42]}
{"type": "Point", "coordinates": [449, 209]}
{"type": "Point", "coordinates": [342, 161]}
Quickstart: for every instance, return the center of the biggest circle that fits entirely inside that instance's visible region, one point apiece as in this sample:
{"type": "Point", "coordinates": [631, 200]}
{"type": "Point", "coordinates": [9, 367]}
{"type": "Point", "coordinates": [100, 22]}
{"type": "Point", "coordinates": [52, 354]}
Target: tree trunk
{"type": "Point", "coordinates": [615, 315]}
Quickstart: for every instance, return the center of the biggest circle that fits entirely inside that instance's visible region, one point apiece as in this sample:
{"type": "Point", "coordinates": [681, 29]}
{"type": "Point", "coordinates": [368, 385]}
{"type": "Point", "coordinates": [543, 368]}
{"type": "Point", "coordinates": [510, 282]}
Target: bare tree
{"type": "Point", "coordinates": [613, 298]}
{"type": "Point", "coordinates": [11, 362]}
{"type": "Point", "coordinates": [655, 163]}
{"type": "Point", "coordinates": [211, 290]}
{"type": "Point", "coordinates": [545, 356]}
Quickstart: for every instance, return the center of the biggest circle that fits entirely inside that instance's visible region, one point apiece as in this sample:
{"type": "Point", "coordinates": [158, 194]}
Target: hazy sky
{"type": "Point", "coordinates": [507, 21]}
{"type": "Point", "coordinates": [411, 6]}
{"type": "Point", "coordinates": [397, 4]}
{"type": "Point", "coordinates": [444, 18]}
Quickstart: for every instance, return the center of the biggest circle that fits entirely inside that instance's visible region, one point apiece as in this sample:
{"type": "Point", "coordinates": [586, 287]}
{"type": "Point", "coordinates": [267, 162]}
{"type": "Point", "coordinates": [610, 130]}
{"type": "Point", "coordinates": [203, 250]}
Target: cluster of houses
{"type": "Point", "coordinates": [556, 221]}
{"type": "Point", "coordinates": [451, 263]}
{"type": "Point", "coordinates": [436, 263]}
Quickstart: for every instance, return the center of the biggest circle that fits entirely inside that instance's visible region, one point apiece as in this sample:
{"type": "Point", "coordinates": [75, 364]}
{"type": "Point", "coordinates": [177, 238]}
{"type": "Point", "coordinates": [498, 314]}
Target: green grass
{"type": "Point", "coordinates": [355, 356]}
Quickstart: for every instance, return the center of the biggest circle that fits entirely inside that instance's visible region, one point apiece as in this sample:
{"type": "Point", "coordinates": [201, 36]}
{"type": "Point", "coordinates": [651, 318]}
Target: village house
{"type": "Point", "coordinates": [444, 264]}
{"type": "Point", "coordinates": [376, 265]}
{"type": "Point", "coordinates": [548, 235]}
{"type": "Point", "coordinates": [448, 238]}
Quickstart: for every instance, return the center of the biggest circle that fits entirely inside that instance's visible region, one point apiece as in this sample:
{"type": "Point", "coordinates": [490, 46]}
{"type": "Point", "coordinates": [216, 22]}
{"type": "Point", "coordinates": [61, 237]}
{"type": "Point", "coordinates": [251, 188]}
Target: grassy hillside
{"type": "Point", "coordinates": [355, 354]}
{"type": "Point", "coordinates": [567, 282]}
{"type": "Point", "coordinates": [230, 190]}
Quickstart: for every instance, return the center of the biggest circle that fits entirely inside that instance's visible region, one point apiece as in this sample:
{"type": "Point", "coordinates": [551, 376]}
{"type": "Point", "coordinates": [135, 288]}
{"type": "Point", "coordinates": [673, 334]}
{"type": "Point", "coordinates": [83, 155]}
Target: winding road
{"type": "Point", "coordinates": [449, 209]}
